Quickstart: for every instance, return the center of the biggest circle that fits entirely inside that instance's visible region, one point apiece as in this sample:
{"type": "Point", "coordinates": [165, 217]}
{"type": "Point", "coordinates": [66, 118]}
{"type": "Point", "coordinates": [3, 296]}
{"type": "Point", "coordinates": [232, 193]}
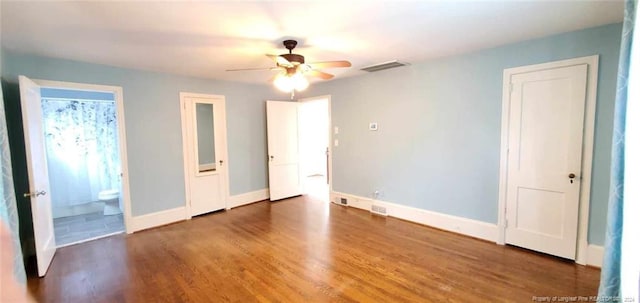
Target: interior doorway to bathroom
{"type": "Point", "coordinates": [82, 151]}
{"type": "Point", "coordinates": [314, 146]}
{"type": "Point", "coordinates": [85, 172]}
{"type": "Point", "coordinates": [48, 125]}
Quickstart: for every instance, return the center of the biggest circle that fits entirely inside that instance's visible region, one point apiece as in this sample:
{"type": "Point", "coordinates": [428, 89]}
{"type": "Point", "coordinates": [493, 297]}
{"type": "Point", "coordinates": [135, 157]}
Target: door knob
{"type": "Point", "coordinates": [271, 157]}
{"type": "Point", "coordinates": [571, 177]}
{"type": "Point", "coordinates": [221, 162]}
{"type": "Point", "coordinates": [35, 194]}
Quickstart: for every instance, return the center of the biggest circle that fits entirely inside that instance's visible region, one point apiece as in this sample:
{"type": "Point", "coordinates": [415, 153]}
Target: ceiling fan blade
{"type": "Point", "coordinates": [319, 74]}
{"type": "Point", "coordinates": [257, 68]}
{"type": "Point", "coordinates": [282, 61]}
{"type": "Point", "coordinates": [329, 64]}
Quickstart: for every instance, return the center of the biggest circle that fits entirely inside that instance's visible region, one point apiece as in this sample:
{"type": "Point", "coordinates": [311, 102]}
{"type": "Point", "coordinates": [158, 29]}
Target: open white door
{"type": "Point", "coordinates": [38, 174]}
{"type": "Point", "coordinates": [546, 123]}
{"type": "Point", "coordinates": [282, 142]}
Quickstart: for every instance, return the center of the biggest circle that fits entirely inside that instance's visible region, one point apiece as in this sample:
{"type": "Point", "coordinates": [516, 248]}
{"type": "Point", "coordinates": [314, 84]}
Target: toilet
{"type": "Point", "coordinates": [111, 199]}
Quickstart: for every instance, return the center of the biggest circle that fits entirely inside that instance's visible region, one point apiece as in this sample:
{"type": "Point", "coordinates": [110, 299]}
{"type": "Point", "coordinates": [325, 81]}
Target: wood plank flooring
{"type": "Point", "coordinates": [304, 250]}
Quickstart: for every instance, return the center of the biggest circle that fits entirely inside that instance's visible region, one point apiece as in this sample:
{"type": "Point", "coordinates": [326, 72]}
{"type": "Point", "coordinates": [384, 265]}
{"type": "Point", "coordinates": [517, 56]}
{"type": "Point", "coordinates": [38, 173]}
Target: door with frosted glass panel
{"type": "Point", "coordinates": [204, 123]}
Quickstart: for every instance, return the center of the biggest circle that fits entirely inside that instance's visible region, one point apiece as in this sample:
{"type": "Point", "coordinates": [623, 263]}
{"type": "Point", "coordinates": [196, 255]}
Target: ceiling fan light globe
{"type": "Point", "coordinates": [300, 82]}
{"type": "Point", "coordinates": [284, 83]}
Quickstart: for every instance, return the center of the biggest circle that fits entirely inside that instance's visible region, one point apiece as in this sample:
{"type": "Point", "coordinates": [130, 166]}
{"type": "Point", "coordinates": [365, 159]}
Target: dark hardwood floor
{"type": "Point", "coordinates": [302, 250]}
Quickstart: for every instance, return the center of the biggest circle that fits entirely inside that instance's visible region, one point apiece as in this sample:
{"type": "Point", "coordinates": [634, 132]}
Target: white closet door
{"type": "Point", "coordinates": [544, 159]}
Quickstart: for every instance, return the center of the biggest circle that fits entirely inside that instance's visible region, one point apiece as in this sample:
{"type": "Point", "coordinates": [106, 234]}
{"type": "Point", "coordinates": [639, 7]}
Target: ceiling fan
{"type": "Point", "coordinates": [292, 69]}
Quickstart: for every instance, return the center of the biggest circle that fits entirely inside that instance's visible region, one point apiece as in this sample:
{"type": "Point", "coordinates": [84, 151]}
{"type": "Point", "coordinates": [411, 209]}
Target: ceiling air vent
{"type": "Point", "coordinates": [383, 66]}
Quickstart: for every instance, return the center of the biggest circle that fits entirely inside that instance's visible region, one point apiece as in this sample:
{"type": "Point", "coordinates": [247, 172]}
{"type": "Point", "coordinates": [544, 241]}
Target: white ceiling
{"type": "Point", "coordinates": [203, 39]}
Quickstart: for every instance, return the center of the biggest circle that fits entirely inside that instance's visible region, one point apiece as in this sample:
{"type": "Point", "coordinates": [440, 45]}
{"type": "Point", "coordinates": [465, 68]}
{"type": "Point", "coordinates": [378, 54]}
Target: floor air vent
{"type": "Point", "coordinates": [379, 210]}
{"type": "Point", "coordinates": [383, 66]}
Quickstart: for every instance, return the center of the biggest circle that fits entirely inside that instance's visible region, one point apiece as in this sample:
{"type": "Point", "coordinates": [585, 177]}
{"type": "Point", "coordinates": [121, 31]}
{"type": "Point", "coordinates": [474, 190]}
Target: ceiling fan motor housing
{"type": "Point", "coordinates": [294, 58]}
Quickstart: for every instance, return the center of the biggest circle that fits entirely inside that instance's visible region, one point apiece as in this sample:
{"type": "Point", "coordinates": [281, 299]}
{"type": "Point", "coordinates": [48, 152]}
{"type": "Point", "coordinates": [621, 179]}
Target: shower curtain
{"type": "Point", "coordinates": [82, 149]}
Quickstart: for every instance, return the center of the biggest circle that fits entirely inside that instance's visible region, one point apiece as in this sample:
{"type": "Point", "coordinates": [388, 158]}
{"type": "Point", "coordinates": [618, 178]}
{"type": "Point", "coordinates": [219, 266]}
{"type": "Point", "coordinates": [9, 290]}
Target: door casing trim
{"type": "Point", "coordinates": [587, 146]}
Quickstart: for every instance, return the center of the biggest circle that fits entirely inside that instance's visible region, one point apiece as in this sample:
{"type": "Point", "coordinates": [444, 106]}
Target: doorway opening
{"type": "Point", "coordinates": [73, 143]}
{"type": "Point", "coordinates": [314, 137]}
{"type": "Point", "coordinates": [83, 159]}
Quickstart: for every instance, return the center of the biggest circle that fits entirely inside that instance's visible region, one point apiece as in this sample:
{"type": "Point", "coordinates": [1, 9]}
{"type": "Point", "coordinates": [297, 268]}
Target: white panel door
{"type": "Point", "coordinates": [38, 174]}
{"type": "Point", "coordinates": [282, 141]}
{"type": "Point", "coordinates": [206, 153]}
{"type": "Point", "coordinates": [544, 159]}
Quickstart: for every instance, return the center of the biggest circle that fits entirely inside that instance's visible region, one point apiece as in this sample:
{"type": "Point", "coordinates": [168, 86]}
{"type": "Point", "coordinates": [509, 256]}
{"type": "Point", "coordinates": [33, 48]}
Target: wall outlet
{"type": "Point", "coordinates": [380, 210]}
{"type": "Point", "coordinates": [343, 201]}
{"type": "Point", "coordinates": [377, 194]}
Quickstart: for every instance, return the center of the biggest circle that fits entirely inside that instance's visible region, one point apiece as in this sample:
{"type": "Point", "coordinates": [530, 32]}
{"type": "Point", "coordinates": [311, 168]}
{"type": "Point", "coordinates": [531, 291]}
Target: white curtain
{"type": "Point", "coordinates": [82, 149]}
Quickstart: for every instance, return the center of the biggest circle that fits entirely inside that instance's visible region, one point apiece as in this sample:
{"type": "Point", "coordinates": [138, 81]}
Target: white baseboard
{"type": "Point", "coordinates": [464, 226]}
{"type": "Point", "coordinates": [180, 213]}
{"type": "Point", "coordinates": [156, 219]}
{"type": "Point", "coordinates": [247, 198]}
{"type": "Point", "coordinates": [595, 253]}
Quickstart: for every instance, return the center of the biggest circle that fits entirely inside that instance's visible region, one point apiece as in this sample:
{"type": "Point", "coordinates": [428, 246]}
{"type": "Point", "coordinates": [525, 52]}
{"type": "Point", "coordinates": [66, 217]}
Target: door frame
{"type": "Point", "coordinates": [186, 154]}
{"type": "Point", "coordinates": [587, 146]}
{"type": "Point", "coordinates": [122, 135]}
{"type": "Point", "coordinates": [329, 138]}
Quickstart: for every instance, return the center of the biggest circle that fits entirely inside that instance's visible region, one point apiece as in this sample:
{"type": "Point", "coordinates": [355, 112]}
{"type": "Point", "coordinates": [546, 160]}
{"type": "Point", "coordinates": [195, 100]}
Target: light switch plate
{"type": "Point", "coordinates": [373, 126]}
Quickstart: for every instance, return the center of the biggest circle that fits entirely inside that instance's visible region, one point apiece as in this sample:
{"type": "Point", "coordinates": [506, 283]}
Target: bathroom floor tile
{"type": "Point", "coordinates": [82, 227]}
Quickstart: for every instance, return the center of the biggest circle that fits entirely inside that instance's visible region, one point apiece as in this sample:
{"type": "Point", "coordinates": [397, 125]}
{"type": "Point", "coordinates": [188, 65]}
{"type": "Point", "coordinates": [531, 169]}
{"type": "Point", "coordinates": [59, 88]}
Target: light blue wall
{"type": "Point", "coordinates": [437, 147]}
{"type": "Point", "coordinates": [152, 119]}
{"type": "Point", "coordinates": [46, 92]}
